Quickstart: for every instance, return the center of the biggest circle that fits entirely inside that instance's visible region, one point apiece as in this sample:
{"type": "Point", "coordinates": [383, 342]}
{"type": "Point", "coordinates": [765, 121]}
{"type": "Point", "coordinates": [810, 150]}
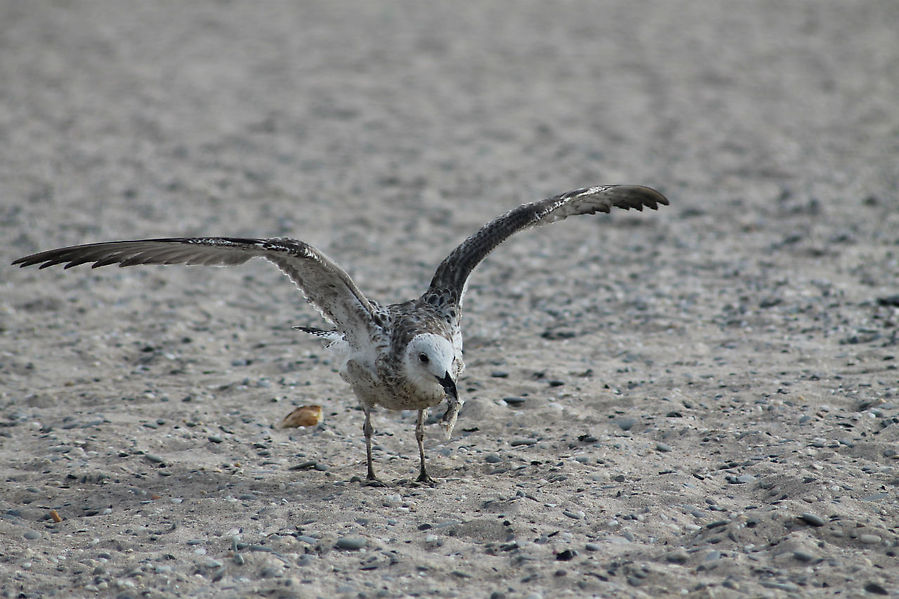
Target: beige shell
{"type": "Point", "coordinates": [303, 416]}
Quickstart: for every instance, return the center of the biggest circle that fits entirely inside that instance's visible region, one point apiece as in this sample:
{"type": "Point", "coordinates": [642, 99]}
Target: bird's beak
{"type": "Point", "coordinates": [449, 385]}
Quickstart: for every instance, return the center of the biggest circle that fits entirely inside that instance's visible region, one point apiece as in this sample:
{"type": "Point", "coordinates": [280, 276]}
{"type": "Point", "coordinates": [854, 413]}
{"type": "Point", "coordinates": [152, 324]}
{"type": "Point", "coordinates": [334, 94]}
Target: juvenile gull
{"type": "Point", "coordinates": [404, 356]}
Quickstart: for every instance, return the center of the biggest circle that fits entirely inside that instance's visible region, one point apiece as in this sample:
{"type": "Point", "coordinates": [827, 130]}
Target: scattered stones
{"type": "Point", "coordinates": [351, 543]}
{"type": "Point", "coordinates": [812, 519]}
{"type": "Point", "coordinates": [869, 539]}
{"type": "Point", "coordinates": [566, 555]}
{"type": "Point", "coordinates": [740, 480]}
{"type": "Point", "coordinates": [625, 423]}
{"type": "Point", "coordinates": [876, 589]}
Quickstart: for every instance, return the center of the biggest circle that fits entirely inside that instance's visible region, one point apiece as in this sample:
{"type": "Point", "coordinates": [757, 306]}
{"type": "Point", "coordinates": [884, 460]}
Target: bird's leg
{"type": "Point", "coordinates": [367, 430]}
{"type": "Point", "coordinates": [419, 436]}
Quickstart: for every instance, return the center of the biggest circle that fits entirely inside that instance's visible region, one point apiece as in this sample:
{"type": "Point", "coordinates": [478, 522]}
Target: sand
{"type": "Point", "coordinates": [701, 401]}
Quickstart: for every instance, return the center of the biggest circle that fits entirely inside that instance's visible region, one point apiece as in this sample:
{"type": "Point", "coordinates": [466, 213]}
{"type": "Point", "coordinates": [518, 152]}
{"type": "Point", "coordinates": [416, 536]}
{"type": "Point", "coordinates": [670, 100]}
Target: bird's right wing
{"type": "Point", "coordinates": [453, 272]}
{"type": "Point", "coordinates": [327, 286]}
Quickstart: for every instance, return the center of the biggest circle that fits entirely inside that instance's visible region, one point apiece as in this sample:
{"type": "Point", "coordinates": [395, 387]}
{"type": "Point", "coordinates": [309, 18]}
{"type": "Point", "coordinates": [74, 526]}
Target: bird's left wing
{"type": "Point", "coordinates": [455, 268]}
{"type": "Point", "coordinates": [327, 286]}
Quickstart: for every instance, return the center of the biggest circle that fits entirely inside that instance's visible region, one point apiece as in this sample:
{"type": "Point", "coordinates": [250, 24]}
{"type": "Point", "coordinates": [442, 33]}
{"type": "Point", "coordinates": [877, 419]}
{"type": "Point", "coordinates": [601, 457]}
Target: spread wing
{"type": "Point", "coordinates": [325, 285]}
{"type": "Point", "coordinates": [453, 272]}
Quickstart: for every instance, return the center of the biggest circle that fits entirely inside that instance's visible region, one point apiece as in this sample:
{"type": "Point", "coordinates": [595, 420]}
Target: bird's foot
{"type": "Point", "coordinates": [374, 482]}
{"type": "Point", "coordinates": [424, 479]}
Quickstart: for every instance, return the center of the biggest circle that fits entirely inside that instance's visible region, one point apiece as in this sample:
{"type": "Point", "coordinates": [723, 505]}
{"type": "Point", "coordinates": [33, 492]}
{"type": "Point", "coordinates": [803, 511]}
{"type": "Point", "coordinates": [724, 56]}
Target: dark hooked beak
{"type": "Point", "coordinates": [449, 385]}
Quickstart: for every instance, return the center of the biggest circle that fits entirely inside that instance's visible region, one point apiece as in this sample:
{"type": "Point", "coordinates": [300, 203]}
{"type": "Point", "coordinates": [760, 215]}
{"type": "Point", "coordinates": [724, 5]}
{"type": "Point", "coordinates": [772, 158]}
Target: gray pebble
{"type": "Point", "coordinates": [869, 539]}
{"type": "Point", "coordinates": [804, 556]}
{"type": "Point", "coordinates": [663, 447]}
{"type": "Point", "coordinates": [625, 424]}
{"type": "Point", "coordinates": [32, 535]}
{"type": "Point", "coordinates": [677, 557]}
{"type": "Point", "coordinates": [154, 459]}
{"type": "Point", "coordinates": [514, 401]}
{"type": "Point", "coordinates": [493, 458]}
{"type": "Point", "coordinates": [876, 589]}
{"type": "Point", "coordinates": [812, 519]}
{"type": "Point", "coordinates": [592, 547]}
{"type": "Point", "coordinates": [214, 439]}
{"type": "Point", "coordinates": [351, 543]}
{"type": "Point", "coordinates": [518, 442]}
{"type": "Point", "coordinates": [573, 515]}
{"type": "Point", "coordinates": [740, 480]}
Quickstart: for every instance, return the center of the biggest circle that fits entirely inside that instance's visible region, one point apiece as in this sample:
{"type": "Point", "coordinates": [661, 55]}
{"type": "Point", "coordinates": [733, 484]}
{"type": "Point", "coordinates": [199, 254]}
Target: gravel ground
{"type": "Point", "coordinates": [701, 401]}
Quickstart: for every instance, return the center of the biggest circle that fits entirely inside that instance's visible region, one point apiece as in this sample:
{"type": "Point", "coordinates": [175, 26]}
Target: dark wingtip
{"type": "Point", "coordinates": [652, 198]}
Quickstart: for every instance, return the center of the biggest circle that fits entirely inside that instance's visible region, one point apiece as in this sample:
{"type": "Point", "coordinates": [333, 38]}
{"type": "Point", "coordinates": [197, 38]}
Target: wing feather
{"type": "Point", "coordinates": [327, 286]}
{"type": "Point", "coordinates": [455, 269]}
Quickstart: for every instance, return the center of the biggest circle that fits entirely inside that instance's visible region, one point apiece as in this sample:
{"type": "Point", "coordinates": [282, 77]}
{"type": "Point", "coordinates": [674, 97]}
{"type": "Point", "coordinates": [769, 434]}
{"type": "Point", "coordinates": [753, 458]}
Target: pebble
{"type": "Point", "coordinates": [352, 543]}
{"type": "Point", "coordinates": [493, 458]}
{"type": "Point", "coordinates": [392, 500]}
{"type": "Point", "coordinates": [519, 442]}
{"type": "Point", "coordinates": [514, 401]}
{"type": "Point", "coordinates": [812, 519]}
{"type": "Point", "coordinates": [32, 535]}
{"type": "Point", "coordinates": [740, 480]}
{"type": "Point", "coordinates": [214, 439]}
{"type": "Point", "coordinates": [876, 589]}
{"type": "Point", "coordinates": [677, 557]}
{"type": "Point", "coordinates": [663, 447]}
{"type": "Point", "coordinates": [567, 555]}
{"type": "Point", "coordinates": [574, 515]}
{"type": "Point", "coordinates": [625, 424]}
{"type": "Point", "coordinates": [592, 547]}
{"type": "Point", "coordinates": [869, 539]}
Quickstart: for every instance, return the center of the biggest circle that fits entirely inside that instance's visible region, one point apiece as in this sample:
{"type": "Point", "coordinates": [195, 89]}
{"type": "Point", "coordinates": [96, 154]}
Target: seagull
{"type": "Point", "coordinates": [405, 356]}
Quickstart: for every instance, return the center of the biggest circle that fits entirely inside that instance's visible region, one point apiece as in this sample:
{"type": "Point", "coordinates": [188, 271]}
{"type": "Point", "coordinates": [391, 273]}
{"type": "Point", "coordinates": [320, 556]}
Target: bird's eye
{"type": "Point", "coordinates": [423, 358]}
